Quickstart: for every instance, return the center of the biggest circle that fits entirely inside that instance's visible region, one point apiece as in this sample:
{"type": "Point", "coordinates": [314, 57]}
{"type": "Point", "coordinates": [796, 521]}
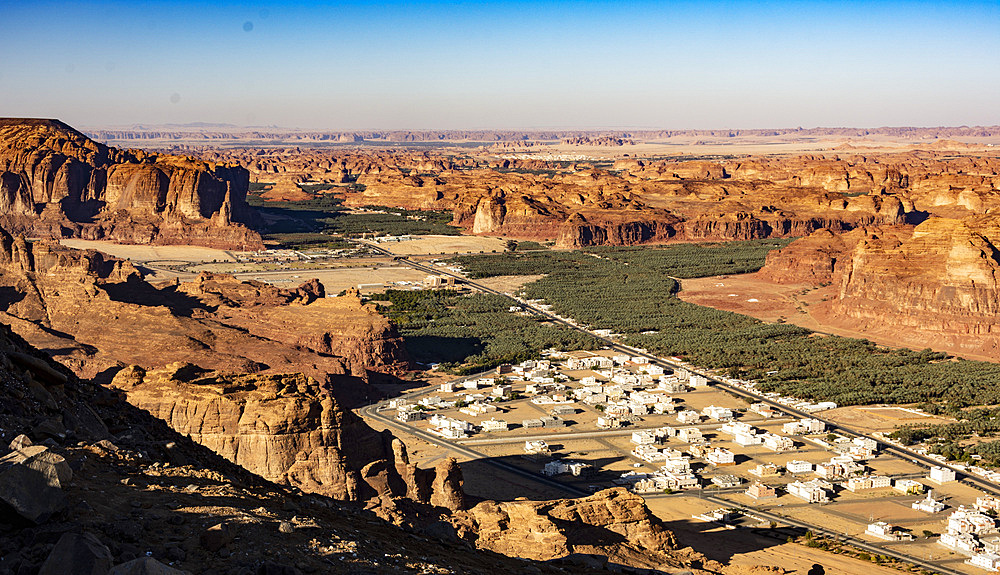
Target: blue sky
{"type": "Point", "coordinates": [421, 64]}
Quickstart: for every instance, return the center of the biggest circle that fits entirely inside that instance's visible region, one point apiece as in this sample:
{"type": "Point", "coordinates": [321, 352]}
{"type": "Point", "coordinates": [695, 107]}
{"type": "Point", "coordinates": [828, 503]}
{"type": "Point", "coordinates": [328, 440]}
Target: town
{"type": "Point", "coordinates": [595, 419]}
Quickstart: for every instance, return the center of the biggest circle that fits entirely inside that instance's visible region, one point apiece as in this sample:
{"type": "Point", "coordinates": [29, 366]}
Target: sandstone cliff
{"type": "Point", "coordinates": [933, 285]}
{"type": "Point", "coordinates": [95, 314]}
{"type": "Point", "coordinates": [287, 430]}
{"type": "Point", "coordinates": [56, 182]}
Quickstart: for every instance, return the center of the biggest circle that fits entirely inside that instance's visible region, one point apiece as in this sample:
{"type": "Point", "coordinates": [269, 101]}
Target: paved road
{"type": "Point", "coordinates": [372, 412]}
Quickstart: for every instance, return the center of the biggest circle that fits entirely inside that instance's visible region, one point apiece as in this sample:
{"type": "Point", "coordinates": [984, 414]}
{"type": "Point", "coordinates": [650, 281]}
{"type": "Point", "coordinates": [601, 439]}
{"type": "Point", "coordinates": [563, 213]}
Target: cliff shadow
{"type": "Point", "coordinates": [143, 294]}
{"type": "Point", "coordinates": [719, 543]}
{"type": "Point", "coordinates": [429, 349]}
{"type": "Point", "coordinates": [510, 477]}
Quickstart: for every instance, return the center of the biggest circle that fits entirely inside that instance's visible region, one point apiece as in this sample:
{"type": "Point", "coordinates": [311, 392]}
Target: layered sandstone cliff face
{"type": "Point", "coordinates": [96, 314]}
{"type": "Point", "coordinates": [934, 284]}
{"type": "Point", "coordinates": [287, 430]}
{"type": "Point", "coordinates": [56, 182]}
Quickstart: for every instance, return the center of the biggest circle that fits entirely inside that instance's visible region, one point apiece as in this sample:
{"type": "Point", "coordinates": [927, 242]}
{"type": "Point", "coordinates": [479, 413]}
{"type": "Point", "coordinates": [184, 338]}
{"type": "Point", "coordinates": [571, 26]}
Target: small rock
{"type": "Point", "coordinates": [286, 527]}
{"type": "Point", "coordinates": [176, 554]}
{"type": "Point", "coordinates": [176, 519]}
{"type": "Point", "coordinates": [76, 554]}
{"type": "Point", "coordinates": [52, 428]}
{"type": "Point", "coordinates": [217, 536]}
{"type": "Point", "coordinates": [20, 442]}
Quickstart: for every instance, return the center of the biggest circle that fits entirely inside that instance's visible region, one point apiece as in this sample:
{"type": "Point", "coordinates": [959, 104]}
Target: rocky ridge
{"type": "Point", "coordinates": [56, 182]}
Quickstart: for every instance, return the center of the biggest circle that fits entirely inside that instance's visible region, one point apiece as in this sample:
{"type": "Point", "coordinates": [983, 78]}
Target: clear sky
{"type": "Point", "coordinates": [453, 65]}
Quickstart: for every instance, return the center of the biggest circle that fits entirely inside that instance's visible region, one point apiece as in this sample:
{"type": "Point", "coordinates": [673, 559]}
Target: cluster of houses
{"type": "Point", "coordinates": [966, 530]}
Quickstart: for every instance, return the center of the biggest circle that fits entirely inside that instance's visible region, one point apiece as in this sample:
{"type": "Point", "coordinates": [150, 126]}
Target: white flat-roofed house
{"type": "Point", "coordinates": [966, 520]}
{"type": "Point", "coordinates": [717, 413]}
{"type": "Point", "coordinates": [644, 437]}
{"type": "Point", "coordinates": [734, 427]}
{"type": "Point", "coordinates": [966, 543]}
{"type": "Point", "coordinates": [814, 491]}
{"type": "Point", "coordinates": [648, 453]}
{"type": "Point", "coordinates": [698, 380]}
{"type": "Point", "coordinates": [987, 560]}
{"type": "Point", "coordinates": [447, 387]}
{"type": "Point", "coordinates": [555, 468]}
{"type": "Point", "coordinates": [987, 503]}
{"type": "Point", "coordinates": [720, 457]}
{"type": "Point", "coordinates": [803, 426]}
{"type": "Point", "coordinates": [502, 391]}
{"type": "Point", "coordinates": [690, 435]}
{"type": "Point", "coordinates": [941, 475]}
{"type": "Point", "coordinates": [745, 439]}
{"type": "Point", "coordinates": [725, 481]}
{"type": "Point", "coordinates": [493, 425]}
{"type": "Point", "coordinates": [764, 410]}
{"type": "Point", "coordinates": [671, 385]}
{"type": "Point", "coordinates": [778, 442]}
{"type": "Point", "coordinates": [608, 422]}
{"type": "Point", "coordinates": [688, 416]}
{"type": "Point", "coordinates": [536, 447]}
{"type": "Point", "coordinates": [409, 415]}
{"type": "Point", "coordinates": [531, 423]}
{"type": "Point", "coordinates": [796, 466]}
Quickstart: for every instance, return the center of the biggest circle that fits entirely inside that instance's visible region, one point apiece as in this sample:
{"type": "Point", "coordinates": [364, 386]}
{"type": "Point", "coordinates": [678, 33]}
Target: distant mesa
{"type": "Point", "coordinates": [56, 182]}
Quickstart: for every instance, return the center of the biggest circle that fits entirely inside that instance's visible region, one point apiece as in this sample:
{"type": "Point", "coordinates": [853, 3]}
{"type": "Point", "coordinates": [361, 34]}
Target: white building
{"type": "Point", "coordinates": [644, 437]}
{"type": "Point", "coordinates": [536, 447]}
{"type": "Point", "coordinates": [688, 417]}
{"type": "Point", "coordinates": [815, 491]}
{"type": "Point", "coordinates": [941, 475]}
{"type": "Point", "coordinates": [698, 380]}
{"type": "Point", "coordinates": [717, 413]}
{"type": "Point", "coordinates": [493, 425]}
{"type": "Point", "coordinates": [803, 426]}
{"type": "Point", "coordinates": [796, 466]}
{"type": "Point", "coordinates": [764, 410]}
{"type": "Point", "coordinates": [690, 435]}
{"type": "Point", "coordinates": [988, 561]}
{"type": "Point", "coordinates": [962, 542]}
{"type": "Point", "coordinates": [964, 520]}
{"type": "Point", "coordinates": [987, 503]}
{"type": "Point", "coordinates": [928, 505]}
{"type": "Point", "coordinates": [882, 530]}
{"type": "Point", "coordinates": [778, 442]}
{"type": "Point", "coordinates": [720, 457]}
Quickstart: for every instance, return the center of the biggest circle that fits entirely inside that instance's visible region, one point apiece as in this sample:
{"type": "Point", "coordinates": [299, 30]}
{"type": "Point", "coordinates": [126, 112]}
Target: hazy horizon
{"type": "Point", "coordinates": [427, 65]}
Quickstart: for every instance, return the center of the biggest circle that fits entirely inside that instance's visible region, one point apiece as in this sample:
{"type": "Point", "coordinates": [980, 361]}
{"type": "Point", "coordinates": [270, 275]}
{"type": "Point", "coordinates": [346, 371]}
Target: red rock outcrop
{"type": "Point", "coordinates": [613, 523]}
{"type": "Point", "coordinates": [930, 285]}
{"type": "Point", "coordinates": [95, 314]}
{"type": "Point", "coordinates": [56, 182]}
{"type": "Point", "coordinates": [286, 429]}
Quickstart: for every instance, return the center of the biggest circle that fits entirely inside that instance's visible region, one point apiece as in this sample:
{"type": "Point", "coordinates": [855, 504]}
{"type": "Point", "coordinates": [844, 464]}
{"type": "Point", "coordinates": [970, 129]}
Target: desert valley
{"type": "Point", "coordinates": [215, 346]}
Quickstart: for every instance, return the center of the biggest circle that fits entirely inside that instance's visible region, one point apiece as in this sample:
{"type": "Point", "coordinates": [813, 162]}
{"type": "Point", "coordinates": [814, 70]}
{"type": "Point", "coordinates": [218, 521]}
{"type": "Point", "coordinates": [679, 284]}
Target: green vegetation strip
{"type": "Point", "coordinates": [289, 223]}
{"type": "Point", "coordinates": [630, 291]}
{"type": "Point", "coordinates": [472, 333]}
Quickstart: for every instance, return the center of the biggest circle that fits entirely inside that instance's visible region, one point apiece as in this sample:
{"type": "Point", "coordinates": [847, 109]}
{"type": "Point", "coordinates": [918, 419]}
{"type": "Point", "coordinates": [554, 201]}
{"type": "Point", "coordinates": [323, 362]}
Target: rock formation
{"type": "Point", "coordinates": [287, 430]}
{"type": "Point", "coordinates": [933, 285]}
{"type": "Point", "coordinates": [96, 314]}
{"type": "Point", "coordinates": [56, 182]}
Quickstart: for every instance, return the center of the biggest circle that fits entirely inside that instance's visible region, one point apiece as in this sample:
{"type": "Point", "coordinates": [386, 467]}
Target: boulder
{"type": "Point", "coordinates": [29, 492]}
{"type": "Point", "coordinates": [77, 554]}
